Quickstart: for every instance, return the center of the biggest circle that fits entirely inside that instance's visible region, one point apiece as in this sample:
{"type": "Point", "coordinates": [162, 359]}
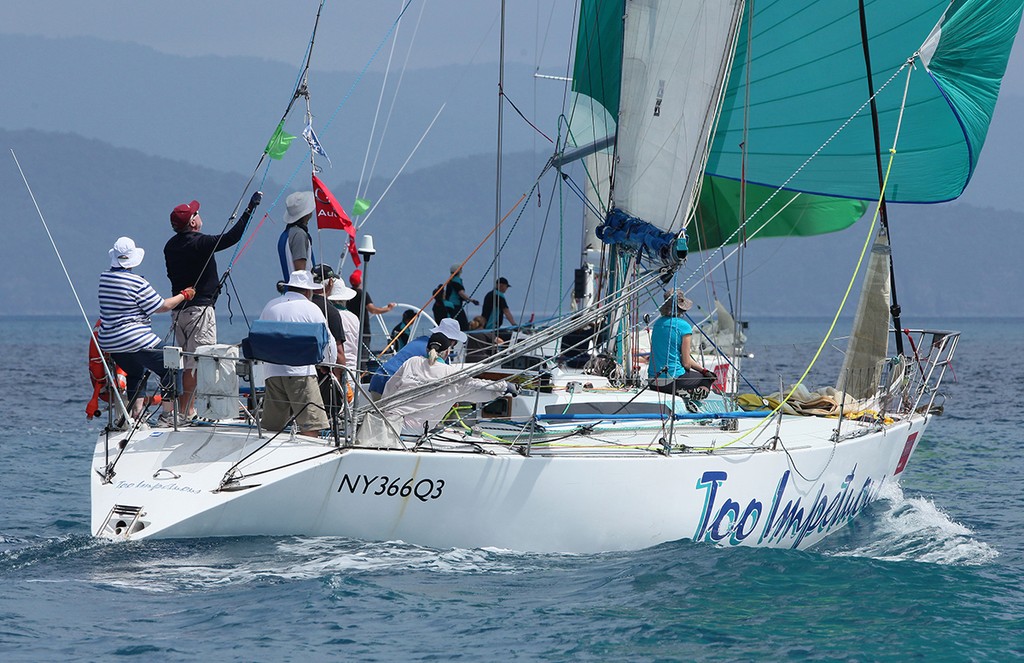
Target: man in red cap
{"type": "Point", "coordinates": [189, 255]}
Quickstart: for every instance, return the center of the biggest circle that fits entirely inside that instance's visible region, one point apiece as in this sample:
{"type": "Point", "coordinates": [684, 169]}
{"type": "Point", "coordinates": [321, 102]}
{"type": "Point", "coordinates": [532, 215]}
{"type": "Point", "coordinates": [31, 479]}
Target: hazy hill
{"type": "Point", "coordinates": [220, 112]}
{"type": "Point", "coordinates": [90, 193]}
{"type": "Point", "coordinates": [952, 260]}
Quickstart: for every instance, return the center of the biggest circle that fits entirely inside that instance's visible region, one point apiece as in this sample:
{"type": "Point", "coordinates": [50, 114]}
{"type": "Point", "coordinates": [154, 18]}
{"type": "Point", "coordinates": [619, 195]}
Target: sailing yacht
{"type": "Point", "coordinates": [716, 123]}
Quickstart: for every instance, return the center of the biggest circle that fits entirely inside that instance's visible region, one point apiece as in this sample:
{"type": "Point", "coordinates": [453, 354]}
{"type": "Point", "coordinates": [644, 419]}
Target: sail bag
{"type": "Point", "coordinates": [286, 343]}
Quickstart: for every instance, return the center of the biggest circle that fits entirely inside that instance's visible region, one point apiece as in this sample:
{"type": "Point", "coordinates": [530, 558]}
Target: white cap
{"type": "Point", "coordinates": [298, 205]}
{"type": "Point", "coordinates": [125, 253]}
{"type": "Point", "coordinates": [450, 328]}
{"type": "Point", "coordinates": [341, 292]}
{"type": "Point", "coordinates": [303, 280]}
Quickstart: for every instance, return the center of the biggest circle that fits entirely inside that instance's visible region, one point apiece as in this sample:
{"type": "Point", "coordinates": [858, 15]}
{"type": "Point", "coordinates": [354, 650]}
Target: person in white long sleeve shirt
{"type": "Point", "coordinates": [339, 295]}
{"type": "Point", "coordinates": [292, 391]}
{"type": "Point", "coordinates": [430, 407]}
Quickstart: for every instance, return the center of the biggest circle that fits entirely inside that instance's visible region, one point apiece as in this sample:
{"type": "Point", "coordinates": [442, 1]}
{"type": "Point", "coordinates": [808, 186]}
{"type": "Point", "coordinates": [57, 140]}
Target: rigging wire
{"type": "Point", "coordinates": [106, 368]}
{"type": "Point", "coordinates": [402, 168]}
{"type": "Point", "coordinates": [441, 288]}
{"type": "Point", "coordinates": [864, 249]}
{"type": "Point", "coordinates": [894, 306]}
{"type": "Point", "coordinates": [455, 84]}
{"type": "Point", "coordinates": [365, 179]}
{"type": "Point", "coordinates": [536, 255]}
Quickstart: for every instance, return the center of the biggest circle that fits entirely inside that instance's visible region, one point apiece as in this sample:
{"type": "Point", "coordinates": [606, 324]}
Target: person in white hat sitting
{"type": "Point", "coordinates": [417, 347]}
{"type": "Point", "coordinates": [292, 391]}
{"type": "Point", "coordinates": [127, 301]}
{"type": "Point", "coordinates": [426, 369]}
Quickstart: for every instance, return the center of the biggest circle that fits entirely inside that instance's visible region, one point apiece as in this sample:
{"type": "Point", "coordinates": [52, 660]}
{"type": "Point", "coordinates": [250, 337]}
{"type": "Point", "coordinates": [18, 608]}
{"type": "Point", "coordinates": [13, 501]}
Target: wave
{"type": "Point", "coordinates": [183, 565]}
{"type": "Point", "coordinates": [914, 529]}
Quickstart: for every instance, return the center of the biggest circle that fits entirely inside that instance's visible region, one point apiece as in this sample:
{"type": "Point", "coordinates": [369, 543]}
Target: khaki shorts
{"type": "Point", "coordinates": [194, 326]}
{"type": "Point", "coordinates": [284, 397]}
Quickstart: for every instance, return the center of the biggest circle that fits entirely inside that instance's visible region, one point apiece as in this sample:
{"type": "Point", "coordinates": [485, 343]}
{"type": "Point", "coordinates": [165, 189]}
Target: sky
{"type": "Point", "coordinates": [446, 31]}
{"type": "Point", "coordinates": [432, 33]}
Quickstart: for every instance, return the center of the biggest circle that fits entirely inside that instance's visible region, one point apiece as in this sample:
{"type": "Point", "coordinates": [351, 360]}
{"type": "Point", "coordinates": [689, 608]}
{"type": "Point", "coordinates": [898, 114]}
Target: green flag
{"type": "Point", "coordinates": [360, 206]}
{"type": "Point", "coordinates": [278, 143]}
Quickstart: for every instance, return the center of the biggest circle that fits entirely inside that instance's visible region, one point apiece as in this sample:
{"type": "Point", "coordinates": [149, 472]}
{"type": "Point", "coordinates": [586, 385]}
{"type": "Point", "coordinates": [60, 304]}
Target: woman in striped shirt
{"type": "Point", "coordinates": [127, 301]}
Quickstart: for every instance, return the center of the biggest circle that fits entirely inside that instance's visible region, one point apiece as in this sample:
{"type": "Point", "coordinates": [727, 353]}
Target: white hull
{"type": "Point", "coordinates": [593, 495]}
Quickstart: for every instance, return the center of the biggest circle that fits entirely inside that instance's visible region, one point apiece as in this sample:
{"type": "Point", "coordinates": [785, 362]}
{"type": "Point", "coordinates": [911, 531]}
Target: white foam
{"type": "Point", "coordinates": [915, 529]}
{"type": "Point", "coordinates": [296, 558]}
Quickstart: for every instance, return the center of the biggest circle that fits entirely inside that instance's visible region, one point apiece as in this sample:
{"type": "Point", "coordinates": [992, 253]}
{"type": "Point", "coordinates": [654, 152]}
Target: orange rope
{"type": "Point", "coordinates": [445, 284]}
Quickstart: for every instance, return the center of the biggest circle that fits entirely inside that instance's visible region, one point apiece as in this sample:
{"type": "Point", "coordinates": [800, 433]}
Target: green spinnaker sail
{"type": "Point", "coordinates": [597, 83]}
{"type": "Point", "coordinates": [779, 214]}
{"type": "Point", "coordinates": [807, 78]}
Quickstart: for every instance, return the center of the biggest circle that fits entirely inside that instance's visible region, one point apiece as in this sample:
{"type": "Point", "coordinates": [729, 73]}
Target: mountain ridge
{"type": "Point", "coordinates": [209, 110]}
{"type": "Point", "coordinates": [91, 192]}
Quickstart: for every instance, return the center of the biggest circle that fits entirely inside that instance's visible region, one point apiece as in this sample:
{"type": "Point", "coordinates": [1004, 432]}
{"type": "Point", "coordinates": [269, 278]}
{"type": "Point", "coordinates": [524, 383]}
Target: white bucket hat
{"type": "Point", "coordinates": [298, 205]}
{"type": "Point", "coordinates": [125, 253]}
{"type": "Point", "coordinates": [303, 280]}
{"type": "Point", "coordinates": [341, 292]}
{"type": "Point", "coordinates": [450, 328]}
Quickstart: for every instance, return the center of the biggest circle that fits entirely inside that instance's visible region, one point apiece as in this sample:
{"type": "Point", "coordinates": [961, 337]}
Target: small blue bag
{"type": "Point", "coordinates": [286, 343]}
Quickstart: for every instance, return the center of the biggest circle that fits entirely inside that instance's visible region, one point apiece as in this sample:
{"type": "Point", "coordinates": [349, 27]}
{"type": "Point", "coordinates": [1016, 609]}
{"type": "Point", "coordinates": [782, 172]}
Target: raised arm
{"type": "Point", "coordinates": [232, 236]}
{"type": "Point", "coordinates": [378, 310]}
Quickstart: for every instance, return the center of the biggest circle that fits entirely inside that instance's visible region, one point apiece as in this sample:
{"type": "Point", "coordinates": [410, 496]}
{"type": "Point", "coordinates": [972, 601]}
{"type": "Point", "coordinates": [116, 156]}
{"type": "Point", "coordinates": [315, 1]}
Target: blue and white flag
{"type": "Point", "coordinates": [314, 144]}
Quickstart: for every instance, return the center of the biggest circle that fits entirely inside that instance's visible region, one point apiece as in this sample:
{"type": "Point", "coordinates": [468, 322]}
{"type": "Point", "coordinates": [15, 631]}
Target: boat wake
{"type": "Point", "coordinates": [911, 529]}
{"type": "Point", "coordinates": [196, 564]}
{"type": "Point", "coordinates": [20, 553]}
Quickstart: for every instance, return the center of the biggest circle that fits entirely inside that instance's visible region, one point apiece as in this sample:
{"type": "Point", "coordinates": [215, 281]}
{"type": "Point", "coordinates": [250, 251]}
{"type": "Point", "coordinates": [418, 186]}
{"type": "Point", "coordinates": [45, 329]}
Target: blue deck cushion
{"type": "Point", "coordinates": [286, 343]}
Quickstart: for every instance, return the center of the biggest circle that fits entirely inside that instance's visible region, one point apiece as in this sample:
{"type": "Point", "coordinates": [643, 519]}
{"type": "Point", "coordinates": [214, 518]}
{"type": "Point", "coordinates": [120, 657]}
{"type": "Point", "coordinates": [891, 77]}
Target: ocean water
{"type": "Point", "coordinates": [933, 572]}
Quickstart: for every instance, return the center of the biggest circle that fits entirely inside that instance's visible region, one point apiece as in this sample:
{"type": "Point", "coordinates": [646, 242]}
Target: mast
{"type": "Point", "coordinates": [742, 242]}
{"type": "Point", "coordinates": [497, 183]}
{"type": "Point", "coordinates": [869, 338]}
{"type": "Point", "coordinates": [894, 307]}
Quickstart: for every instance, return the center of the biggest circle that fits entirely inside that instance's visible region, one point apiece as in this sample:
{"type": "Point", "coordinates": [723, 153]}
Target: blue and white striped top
{"type": "Point", "coordinates": [126, 302]}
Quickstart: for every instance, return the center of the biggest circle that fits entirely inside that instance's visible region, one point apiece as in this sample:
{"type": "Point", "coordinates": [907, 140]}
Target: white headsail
{"type": "Point", "coordinates": [675, 58]}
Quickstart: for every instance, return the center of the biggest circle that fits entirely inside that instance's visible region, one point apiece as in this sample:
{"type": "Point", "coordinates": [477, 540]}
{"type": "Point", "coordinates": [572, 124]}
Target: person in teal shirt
{"type": "Point", "coordinates": [671, 369]}
{"type": "Point", "coordinates": [455, 298]}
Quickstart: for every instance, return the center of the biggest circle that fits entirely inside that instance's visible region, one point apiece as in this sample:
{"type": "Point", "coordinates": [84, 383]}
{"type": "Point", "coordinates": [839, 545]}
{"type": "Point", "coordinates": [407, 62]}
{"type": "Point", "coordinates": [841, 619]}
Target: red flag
{"type": "Point", "coordinates": [330, 214]}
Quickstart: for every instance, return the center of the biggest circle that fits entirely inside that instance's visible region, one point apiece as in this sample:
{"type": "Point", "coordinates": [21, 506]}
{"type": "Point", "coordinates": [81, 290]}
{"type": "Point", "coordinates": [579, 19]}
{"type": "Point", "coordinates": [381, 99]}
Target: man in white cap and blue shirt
{"type": "Point", "coordinates": [417, 347]}
{"type": "Point", "coordinates": [293, 391]}
{"type": "Point", "coordinates": [295, 246]}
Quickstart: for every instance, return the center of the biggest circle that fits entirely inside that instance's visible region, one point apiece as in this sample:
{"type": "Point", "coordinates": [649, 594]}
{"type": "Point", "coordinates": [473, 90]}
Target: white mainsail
{"type": "Point", "coordinates": [675, 57]}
